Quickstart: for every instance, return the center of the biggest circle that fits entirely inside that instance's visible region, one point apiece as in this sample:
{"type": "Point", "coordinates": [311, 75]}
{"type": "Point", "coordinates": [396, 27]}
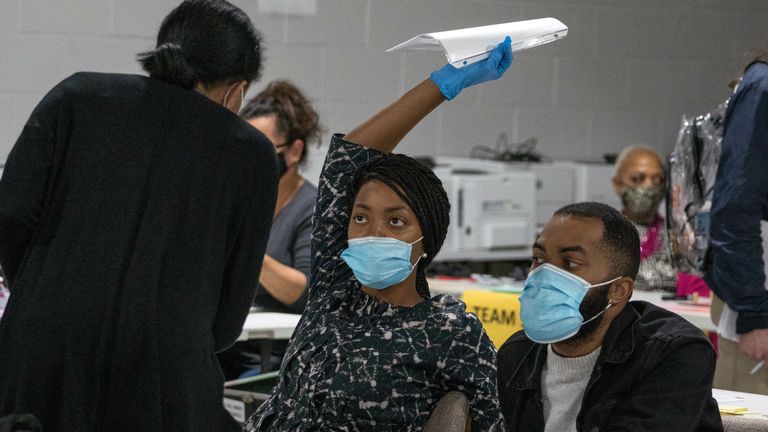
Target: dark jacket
{"type": "Point", "coordinates": [739, 202]}
{"type": "Point", "coordinates": [134, 216]}
{"type": "Point", "coordinates": [654, 373]}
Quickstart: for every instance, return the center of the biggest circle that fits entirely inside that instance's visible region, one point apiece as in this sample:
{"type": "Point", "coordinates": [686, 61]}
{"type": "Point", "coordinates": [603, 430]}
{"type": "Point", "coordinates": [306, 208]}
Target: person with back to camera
{"type": "Point", "coordinates": [589, 359]}
{"type": "Point", "coordinates": [134, 215]}
{"type": "Point", "coordinates": [284, 115]}
{"type": "Point", "coordinates": [736, 266]}
{"type": "Point", "coordinates": [373, 351]}
{"type": "Point", "coordinates": [639, 182]}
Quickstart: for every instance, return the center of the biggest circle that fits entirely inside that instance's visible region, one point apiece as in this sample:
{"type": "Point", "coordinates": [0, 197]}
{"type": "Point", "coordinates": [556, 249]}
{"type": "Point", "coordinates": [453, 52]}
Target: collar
{"type": "Point", "coordinates": [617, 347]}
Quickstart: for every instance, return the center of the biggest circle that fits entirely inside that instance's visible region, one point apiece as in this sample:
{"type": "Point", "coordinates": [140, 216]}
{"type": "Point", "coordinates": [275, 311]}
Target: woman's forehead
{"type": "Point", "coordinates": [375, 193]}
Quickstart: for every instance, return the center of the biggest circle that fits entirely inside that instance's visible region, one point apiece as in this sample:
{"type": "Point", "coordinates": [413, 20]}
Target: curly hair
{"type": "Point", "coordinates": [296, 118]}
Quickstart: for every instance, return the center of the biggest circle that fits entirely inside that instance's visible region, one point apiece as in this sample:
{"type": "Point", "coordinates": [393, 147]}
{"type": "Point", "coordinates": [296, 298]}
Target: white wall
{"type": "Point", "coordinates": [626, 72]}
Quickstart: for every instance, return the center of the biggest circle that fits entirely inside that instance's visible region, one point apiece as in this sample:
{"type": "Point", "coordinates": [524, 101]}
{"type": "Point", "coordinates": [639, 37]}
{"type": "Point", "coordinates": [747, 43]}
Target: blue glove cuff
{"type": "Point", "coordinates": [448, 81]}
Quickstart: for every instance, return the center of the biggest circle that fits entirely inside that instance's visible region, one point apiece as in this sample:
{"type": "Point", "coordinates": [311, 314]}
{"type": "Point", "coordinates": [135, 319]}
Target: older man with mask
{"type": "Point", "coordinates": [588, 358]}
{"type": "Point", "coordinates": [640, 181]}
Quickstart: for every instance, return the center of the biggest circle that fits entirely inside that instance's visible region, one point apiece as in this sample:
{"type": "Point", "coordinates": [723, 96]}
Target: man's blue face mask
{"type": "Point", "coordinates": [380, 262]}
{"type": "Point", "coordinates": [549, 304]}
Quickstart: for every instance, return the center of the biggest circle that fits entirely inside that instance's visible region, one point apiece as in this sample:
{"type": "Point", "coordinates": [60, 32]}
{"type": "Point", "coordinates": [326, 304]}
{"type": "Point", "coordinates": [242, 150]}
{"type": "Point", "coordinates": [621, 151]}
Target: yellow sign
{"type": "Point", "coordinates": [498, 311]}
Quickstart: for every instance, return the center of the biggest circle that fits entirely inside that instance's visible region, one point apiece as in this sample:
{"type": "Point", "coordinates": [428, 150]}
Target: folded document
{"type": "Point", "coordinates": [466, 46]}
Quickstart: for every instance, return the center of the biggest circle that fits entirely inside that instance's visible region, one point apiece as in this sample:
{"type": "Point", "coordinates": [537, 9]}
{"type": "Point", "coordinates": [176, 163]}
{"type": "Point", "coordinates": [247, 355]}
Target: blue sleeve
{"type": "Point", "coordinates": [739, 203]}
{"type": "Point", "coordinates": [329, 223]}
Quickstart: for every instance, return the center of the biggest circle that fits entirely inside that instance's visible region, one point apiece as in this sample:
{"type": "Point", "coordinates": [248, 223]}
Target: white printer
{"type": "Point", "coordinates": [493, 210]}
{"type": "Point", "coordinates": [565, 182]}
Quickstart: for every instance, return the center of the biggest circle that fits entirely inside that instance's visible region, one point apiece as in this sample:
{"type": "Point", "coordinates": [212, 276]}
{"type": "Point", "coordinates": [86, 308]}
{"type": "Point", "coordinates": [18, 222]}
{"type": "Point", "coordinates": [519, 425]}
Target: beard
{"type": "Point", "coordinates": [593, 303]}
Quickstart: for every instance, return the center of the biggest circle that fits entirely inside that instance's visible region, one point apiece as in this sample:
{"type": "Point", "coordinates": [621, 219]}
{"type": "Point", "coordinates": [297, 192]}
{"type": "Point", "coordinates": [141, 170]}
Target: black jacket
{"type": "Point", "coordinates": [134, 216]}
{"type": "Point", "coordinates": [654, 373]}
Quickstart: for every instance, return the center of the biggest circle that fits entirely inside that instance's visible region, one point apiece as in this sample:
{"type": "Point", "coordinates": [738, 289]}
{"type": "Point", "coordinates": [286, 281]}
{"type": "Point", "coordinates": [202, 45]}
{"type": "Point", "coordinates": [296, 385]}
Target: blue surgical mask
{"type": "Point", "coordinates": [549, 304]}
{"type": "Point", "coordinates": [379, 262]}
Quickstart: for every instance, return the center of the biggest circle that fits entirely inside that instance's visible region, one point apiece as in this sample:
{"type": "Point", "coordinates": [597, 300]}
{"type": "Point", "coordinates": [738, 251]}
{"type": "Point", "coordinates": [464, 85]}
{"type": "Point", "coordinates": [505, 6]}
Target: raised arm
{"type": "Point", "coordinates": [386, 129]}
{"type": "Point", "coordinates": [380, 134]}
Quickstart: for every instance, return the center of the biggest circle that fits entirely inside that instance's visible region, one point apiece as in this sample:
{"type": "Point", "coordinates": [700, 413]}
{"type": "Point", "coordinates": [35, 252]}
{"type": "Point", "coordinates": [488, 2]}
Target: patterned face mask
{"type": "Point", "coordinates": [642, 200]}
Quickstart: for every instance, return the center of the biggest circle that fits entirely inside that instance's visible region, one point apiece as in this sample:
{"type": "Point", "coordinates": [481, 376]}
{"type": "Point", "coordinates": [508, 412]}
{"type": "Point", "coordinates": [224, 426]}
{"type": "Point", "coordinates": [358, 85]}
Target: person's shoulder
{"type": "Point", "coordinates": [307, 194]}
{"type": "Point", "coordinates": [82, 82]}
{"type": "Point", "coordinates": [238, 133]}
{"type": "Point", "coordinates": [451, 313]}
{"type": "Point", "coordinates": [516, 343]}
{"type": "Point", "coordinates": [756, 76]}
{"type": "Point", "coordinates": [77, 90]}
{"type": "Point", "coordinates": [657, 323]}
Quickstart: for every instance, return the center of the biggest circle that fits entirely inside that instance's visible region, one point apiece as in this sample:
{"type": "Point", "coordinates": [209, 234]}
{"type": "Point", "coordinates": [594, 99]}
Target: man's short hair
{"type": "Point", "coordinates": [622, 244]}
{"type": "Point", "coordinates": [622, 157]}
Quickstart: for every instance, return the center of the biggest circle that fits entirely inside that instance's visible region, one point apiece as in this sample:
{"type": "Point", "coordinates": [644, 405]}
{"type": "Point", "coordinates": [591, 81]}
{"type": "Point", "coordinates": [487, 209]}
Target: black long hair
{"type": "Point", "coordinates": [205, 41]}
{"type": "Point", "coordinates": [420, 188]}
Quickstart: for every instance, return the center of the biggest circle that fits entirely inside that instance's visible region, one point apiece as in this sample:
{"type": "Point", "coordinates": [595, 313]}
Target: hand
{"type": "Point", "coordinates": [754, 344]}
{"type": "Point", "coordinates": [451, 81]}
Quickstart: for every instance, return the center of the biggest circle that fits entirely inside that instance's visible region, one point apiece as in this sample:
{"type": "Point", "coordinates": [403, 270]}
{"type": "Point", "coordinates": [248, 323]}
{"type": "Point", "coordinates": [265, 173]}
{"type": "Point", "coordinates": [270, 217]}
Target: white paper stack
{"type": "Point", "coordinates": [466, 46]}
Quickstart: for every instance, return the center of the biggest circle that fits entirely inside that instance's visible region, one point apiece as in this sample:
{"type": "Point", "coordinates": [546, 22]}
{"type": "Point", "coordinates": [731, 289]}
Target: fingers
{"type": "Point", "coordinates": [501, 57]}
{"type": "Point", "coordinates": [497, 54]}
{"type": "Point", "coordinates": [748, 349]}
{"type": "Point", "coordinates": [505, 50]}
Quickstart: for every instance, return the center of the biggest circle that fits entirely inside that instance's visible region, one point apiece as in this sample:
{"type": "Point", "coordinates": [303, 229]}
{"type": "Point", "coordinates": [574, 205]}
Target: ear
{"type": "Point", "coordinates": [621, 290]}
{"type": "Point", "coordinates": [617, 184]}
{"type": "Point", "coordinates": [234, 98]}
{"type": "Point", "coordinates": [294, 152]}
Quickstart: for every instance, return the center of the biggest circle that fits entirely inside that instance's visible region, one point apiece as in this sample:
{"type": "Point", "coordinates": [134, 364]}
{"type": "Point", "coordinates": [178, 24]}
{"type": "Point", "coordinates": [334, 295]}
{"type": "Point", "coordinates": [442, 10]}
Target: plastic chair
{"type": "Point", "coordinates": [744, 424]}
{"type": "Point", "coordinates": [451, 414]}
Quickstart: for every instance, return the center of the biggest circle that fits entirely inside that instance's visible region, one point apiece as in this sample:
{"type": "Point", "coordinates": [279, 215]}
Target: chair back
{"type": "Point", "coordinates": [450, 414]}
{"type": "Point", "coordinates": [744, 424]}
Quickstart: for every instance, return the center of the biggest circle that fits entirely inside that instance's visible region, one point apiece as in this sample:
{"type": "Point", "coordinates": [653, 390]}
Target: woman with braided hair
{"type": "Point", "coordinates": [373, 350]}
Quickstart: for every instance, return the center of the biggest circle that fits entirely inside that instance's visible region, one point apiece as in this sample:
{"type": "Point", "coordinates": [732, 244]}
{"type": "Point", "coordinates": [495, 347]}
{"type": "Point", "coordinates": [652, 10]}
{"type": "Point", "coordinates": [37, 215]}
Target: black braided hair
{"type": "Point", "coordinates": [420, 188]}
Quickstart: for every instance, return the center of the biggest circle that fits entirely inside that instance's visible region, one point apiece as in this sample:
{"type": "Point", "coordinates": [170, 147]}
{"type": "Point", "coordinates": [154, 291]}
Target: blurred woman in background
{"type": "Point", "coordinates": [286, 117]}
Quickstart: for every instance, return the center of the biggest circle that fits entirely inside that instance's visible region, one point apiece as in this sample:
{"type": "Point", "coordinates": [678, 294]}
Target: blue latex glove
{"type": "Point", "coordinates": [451, 81]}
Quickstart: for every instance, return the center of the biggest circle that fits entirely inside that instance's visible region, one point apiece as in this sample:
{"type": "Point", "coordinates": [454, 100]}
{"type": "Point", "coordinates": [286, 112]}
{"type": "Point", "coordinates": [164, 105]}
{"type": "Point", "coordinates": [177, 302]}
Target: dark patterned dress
{"type": "Point", "coordinates": [358, 364]}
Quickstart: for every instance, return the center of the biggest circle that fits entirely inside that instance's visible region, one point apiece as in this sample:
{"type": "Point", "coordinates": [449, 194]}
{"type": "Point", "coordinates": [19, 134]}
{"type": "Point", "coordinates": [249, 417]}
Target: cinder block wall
{"type": "Point", "coordinates": [625, 74]}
